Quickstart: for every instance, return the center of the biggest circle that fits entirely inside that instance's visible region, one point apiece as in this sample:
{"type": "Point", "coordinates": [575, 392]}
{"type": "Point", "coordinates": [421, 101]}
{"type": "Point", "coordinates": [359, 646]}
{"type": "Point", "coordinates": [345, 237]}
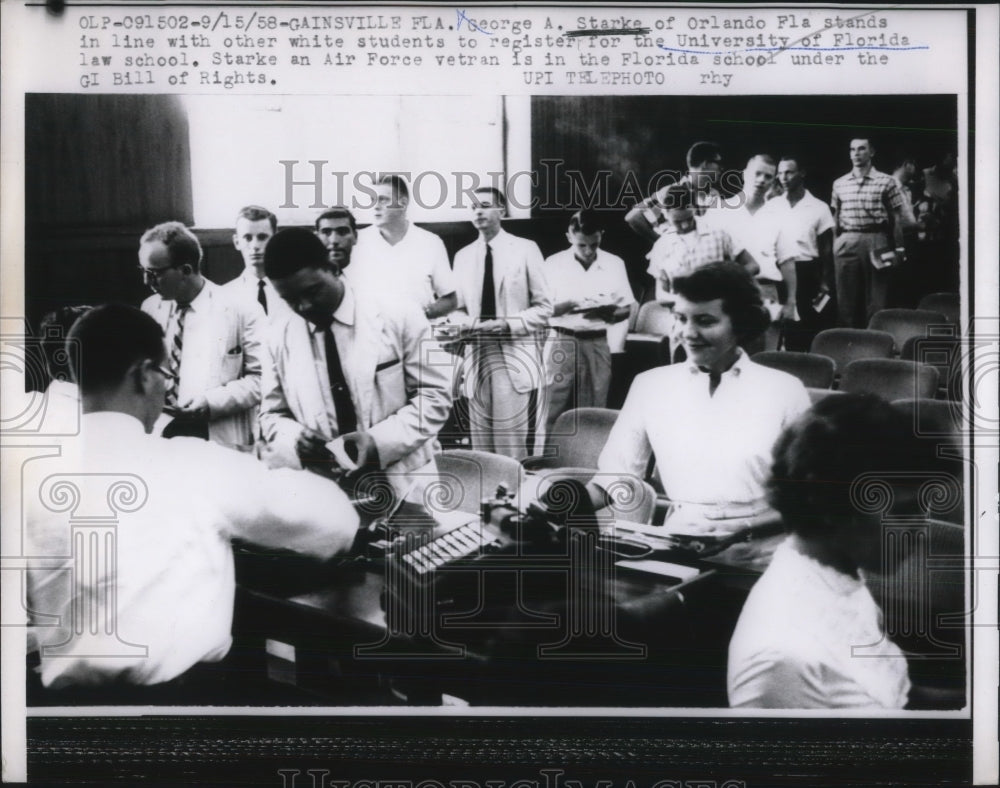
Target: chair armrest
{"type": "Point", "coordinates": [538, 462]}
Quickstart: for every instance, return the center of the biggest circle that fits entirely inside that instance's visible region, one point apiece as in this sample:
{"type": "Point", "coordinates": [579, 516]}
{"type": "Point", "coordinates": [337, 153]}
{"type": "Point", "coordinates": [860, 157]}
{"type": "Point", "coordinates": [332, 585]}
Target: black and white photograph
{"type": "Point", "coordinates": [591, 428]}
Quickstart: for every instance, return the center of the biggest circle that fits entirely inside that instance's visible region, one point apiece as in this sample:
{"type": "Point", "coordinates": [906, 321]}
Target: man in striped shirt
{"type": "Point", "coordinates": [868, 210]}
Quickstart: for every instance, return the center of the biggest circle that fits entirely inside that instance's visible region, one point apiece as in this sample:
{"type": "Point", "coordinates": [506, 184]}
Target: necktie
{"type": "Point", "coordinates": [176, 346]}
{"type": "Point", "coordinates": [347, 420]}
{"type": "Point", "coordinates": [261, 295]}
{"type": "Point", "coordinates": [488, 310]}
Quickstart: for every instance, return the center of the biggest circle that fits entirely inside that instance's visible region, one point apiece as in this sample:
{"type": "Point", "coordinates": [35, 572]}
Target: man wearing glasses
{"type": "Point", "coordinates": [215, 351]}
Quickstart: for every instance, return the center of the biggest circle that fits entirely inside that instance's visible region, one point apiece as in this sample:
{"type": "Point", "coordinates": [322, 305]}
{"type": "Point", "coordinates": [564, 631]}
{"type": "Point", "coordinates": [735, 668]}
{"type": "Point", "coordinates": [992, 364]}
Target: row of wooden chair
{"type": "Point", "coordinates": [934, 309]}
{"type": "Point", "coordinates": [889, 378]}
{"type": "Point", "coordinates": [922, 335]}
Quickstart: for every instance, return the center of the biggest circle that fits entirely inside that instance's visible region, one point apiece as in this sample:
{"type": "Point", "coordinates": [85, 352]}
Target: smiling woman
{"type": "Point", "coordinates": [710, 422]}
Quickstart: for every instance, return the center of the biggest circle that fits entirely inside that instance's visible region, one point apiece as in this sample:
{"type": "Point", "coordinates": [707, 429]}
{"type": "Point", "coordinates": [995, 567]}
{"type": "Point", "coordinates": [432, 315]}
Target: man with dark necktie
{"type": "Point", "coordinates": [359, 380]}
{"type": "Point", "coordinates": [254, 227]}
{"type": "Point", "coordinates": [502, 288]}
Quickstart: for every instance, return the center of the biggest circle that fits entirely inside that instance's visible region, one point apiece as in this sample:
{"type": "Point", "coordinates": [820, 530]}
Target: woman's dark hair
{"type": "Point", "coordinates": [818, 458]}
{"type": "Point", "coordinates": [741, 298]}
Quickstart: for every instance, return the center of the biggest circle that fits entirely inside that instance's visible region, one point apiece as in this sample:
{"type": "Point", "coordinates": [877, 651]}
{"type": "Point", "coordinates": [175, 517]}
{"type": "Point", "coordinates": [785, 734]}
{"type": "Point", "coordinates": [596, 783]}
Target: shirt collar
{"type": "Point", "coordinates": [251, 278]}
{"type": "Point", "coordinates": [699, 229]}
{"type": "Point", "coordinates": [806, 195]}
{"type": "Point", "coordinates": [199, 301]}
{"type": "Point", "coordinates": [596, 265]}
{"type": "Point", "coordinates": [871, 173]}
{"type": "Point", "coordinates": [63, 388]}
{"type": "Point", "coordinates": [736, 370]}
{"type": "Point", "coordinates": [495, 242]}
{"type": "Point", "coordinates": [838, 582]}
{"type": "Point", "coordinates": [344, 313]}
{"type": "Point", "coordinates": [106, 422]}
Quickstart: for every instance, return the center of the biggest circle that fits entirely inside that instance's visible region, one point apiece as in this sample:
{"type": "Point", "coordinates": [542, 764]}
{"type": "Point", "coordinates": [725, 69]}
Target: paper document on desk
{"type": "Point", "coordinates": [660, 568]}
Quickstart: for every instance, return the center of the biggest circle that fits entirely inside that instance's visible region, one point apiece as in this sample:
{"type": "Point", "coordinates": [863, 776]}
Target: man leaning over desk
{"type": "Point", "coordinates": [356, 379]}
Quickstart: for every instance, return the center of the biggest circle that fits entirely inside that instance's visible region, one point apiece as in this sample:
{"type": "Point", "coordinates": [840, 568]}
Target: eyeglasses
{"type": "Point", "coordinates": [154, 274]}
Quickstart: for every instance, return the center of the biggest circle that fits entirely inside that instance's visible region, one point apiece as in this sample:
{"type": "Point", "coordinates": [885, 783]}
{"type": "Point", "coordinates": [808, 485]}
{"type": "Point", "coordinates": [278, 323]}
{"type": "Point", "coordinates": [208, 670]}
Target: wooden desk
{"type": "Point", "coordinates": [547, 630]}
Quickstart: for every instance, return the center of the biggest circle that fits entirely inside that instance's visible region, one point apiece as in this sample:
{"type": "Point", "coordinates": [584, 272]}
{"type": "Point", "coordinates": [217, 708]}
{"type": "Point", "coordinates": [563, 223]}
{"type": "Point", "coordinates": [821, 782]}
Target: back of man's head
{"type": "Point", "coordinates": [109, 340]}
{"type": "Point", "coordinates": [182, 244]}
{"type": "Point", "coordinates": [291, 250]}
{"type": "Point", "coordinates": [701, 153]}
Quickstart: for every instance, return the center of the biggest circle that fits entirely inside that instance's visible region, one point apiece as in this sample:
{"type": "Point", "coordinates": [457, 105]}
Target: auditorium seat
{"type": "Point", "coordinates": [813, 370]}
{"type": "Point", "coordinates": [468, 476]}
{"type": "Point", "coordinates": [906, 323]}
{"type": "Point", "coordinates": [924, 603]}
{"type": "Point", "coordinates": [945, 355]}
{"type": "Point", "coordinates": [577, 439]}
{"type": "Point", "coordinates": [845, 345]}
{"type": "Point", "coordinates": [948, 304]}
{"type": "Point", "coordinates": [818, 395]}
{"type": "Point", "coordinates": [941, 425]}
{"type": "Point", "coordinates": [890, 379]}
{"type": "Point", "coordinates": [933, 417]}
{"type": "Point", "coordinates": [648, 346]}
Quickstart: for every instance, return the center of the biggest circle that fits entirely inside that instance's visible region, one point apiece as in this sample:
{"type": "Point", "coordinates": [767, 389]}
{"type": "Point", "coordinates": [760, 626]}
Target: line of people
{"type": "Point", "coordinates": [309, 358]}
{"type": "Point", "coordinates": [818, 264]}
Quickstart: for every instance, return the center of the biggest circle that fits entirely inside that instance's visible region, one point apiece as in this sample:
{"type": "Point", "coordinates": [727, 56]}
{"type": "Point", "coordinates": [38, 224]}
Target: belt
{"type": "Point", "coordinates": [873, 228]}
{"type": "Point", "coordinates": [582, 333]}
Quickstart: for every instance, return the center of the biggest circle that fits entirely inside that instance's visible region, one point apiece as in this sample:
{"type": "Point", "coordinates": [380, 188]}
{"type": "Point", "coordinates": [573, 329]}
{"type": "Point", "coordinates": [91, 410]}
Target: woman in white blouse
{"type": "Point", "coordinates": [810, 634]}
{"type": "Point", "coordinates": [711, 420]}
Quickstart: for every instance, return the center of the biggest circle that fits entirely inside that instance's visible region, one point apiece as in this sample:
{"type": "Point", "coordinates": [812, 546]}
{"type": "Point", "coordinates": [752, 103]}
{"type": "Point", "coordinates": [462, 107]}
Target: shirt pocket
{"type": "Point", "coordinates": [390, 388]}
{"type": "Point", "coordinates": [232, 363]}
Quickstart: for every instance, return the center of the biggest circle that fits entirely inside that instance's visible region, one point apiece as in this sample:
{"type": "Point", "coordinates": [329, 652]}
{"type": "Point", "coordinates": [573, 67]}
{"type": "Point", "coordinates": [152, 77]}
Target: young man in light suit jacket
{"type": "Point", "coordinates": [215, 344]}
{"type": "Point", "coordinates": [502, 288]}
{"type": "Point", "coordinates": [358, 372]}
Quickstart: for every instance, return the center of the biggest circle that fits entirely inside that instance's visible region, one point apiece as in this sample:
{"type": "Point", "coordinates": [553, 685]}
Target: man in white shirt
{"type": "Point", "coordinates": [254, 227]}
{"type": "Point", "coordinates": [156, 598]}
{"type": "Point", "coordinates": [804, 243]}
{"type": "Point", "coordinates": [591, 298]}
{"type": "Point", "coordinates": [215, 341]}
{"type": "Point", "coordinates": [397, 257]}
{"type": "Point", "coordinates": [503, 291]}
{"type": "Point", "coordinates": [704, 165]}
{"type": "Point", "coordinates": [745, 218]}
{"type": "Point", "coordinates": [338, 230]}
{"type": "Point", "coordinates": [810, 634]}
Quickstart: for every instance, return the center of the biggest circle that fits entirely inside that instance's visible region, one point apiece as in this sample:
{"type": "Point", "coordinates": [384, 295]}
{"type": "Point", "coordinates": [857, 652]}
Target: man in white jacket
{"type": "Point", "coordinates": [356, 378]}
{"type": "Point", "coordinates": [503, 290]}
{"type": "Point", "coordinates": [214, 340]}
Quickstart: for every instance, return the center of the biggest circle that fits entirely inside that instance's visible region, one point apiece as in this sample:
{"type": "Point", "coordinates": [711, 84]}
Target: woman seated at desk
{"type": "Point", "coordinates": [810, 634]}
{"type": "Point", "coordinates": [712, 420]}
